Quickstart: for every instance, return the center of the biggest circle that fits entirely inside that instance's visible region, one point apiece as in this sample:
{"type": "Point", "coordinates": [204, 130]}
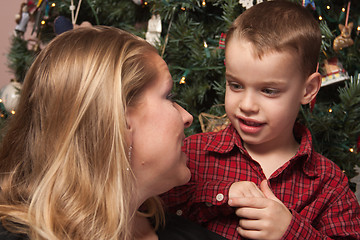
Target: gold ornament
{"type": "Point", "coordinates": [344, 39]}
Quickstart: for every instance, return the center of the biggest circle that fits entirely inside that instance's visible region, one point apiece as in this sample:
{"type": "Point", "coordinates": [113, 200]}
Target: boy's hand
{"type": "Point", "coordinates": [244, 189]}
{"type": "Point", "coordinates": [261, 217]}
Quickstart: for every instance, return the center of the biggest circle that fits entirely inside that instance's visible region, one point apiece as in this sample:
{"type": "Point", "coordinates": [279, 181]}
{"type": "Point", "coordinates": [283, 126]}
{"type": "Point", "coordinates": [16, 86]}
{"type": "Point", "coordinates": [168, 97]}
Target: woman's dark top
{"type": "Point", "coordinates": [176, 228]}
{"type": "Point", "coordinates": [179, 228]}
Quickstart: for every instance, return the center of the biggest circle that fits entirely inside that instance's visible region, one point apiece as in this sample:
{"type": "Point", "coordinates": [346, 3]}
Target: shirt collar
{"type": "Point", "coordinates": [305, 151]}
{"type": "Point", "coordinates": [225, 140]}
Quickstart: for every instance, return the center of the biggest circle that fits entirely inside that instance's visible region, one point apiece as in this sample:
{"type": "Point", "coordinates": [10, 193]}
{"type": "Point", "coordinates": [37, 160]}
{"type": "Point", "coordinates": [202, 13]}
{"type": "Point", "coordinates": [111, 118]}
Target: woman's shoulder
{"type": "Point", "coordinates": [179, 228]}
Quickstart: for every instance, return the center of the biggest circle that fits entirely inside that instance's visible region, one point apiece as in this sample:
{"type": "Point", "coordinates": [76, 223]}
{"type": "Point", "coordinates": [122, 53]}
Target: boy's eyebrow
{"type": "Point", "coordinates": [270, 82]}
{"type": "Point", "coordinates": [228, 75]}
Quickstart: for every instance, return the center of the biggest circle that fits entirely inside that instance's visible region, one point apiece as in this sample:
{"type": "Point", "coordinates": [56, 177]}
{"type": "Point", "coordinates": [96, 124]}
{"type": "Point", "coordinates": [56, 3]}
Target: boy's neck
{"type": "Point", "coordinates": [272, 156]}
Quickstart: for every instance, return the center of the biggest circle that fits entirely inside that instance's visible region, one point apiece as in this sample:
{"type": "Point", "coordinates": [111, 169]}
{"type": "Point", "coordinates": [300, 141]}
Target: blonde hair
{"type": "Point", "coordinates": [280, 26]}
{"type": "Point", "coordinates": [64, 159]}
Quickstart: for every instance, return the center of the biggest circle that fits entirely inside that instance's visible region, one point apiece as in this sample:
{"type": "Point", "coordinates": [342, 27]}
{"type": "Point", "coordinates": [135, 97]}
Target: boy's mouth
{"type": "Point", "coordinates": [251, 123]}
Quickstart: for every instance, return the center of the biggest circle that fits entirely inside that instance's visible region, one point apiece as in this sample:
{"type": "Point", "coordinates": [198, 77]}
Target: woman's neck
{"type": "Point", "coordinates": [143, 230]}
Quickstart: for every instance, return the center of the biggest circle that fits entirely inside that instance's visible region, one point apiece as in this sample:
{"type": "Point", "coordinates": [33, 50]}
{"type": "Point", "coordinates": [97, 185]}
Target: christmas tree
{"type": "Point", "coordinates": [190, 34]}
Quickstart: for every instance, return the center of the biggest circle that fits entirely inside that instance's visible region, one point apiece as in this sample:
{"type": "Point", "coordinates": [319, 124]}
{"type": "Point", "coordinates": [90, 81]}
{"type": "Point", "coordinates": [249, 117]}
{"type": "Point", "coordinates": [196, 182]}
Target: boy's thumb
{"type": "Point", "coordinates": [264, 187]}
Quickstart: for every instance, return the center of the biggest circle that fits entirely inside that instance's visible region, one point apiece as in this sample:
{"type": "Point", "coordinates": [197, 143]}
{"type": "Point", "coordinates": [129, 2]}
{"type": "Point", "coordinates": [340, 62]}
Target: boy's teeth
{"type": "Point", "coordinates": [251, 123]}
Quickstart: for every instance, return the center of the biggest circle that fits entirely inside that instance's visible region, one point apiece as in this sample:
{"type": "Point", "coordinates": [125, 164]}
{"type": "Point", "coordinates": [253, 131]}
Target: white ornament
{"type": "Point", "coordinates": [10, 95]}
{"type": "Point", "coordinates": [154, 30]}
{"type": "Point", "coordinates": [248, 3]}
{"type": "Point", "coordinates": [138, 2]}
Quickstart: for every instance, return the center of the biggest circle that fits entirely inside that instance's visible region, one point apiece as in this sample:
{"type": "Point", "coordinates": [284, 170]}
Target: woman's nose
{"type": "Point", "coordinates": [186, 116]}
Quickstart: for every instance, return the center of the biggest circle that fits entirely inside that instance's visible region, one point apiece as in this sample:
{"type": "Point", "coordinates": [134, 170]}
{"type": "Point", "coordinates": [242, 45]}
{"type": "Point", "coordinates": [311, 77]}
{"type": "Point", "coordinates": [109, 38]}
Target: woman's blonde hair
{"type": "Point", "coordinates": [64, 159]}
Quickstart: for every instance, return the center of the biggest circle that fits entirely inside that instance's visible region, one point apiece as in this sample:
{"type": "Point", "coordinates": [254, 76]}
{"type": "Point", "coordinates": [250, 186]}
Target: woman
{"type": "Point", "coordinates": [95, 139]}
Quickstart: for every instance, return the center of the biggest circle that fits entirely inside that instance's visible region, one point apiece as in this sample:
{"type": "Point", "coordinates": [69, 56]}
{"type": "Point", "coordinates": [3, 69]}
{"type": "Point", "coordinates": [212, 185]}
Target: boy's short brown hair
{"type": "Point", "coordinates": [280, 26]}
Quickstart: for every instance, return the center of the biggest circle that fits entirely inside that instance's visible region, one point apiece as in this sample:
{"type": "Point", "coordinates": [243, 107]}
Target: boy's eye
{"type": "Point", "coordinates": [270, 91]}
{"type": "Point", "coordinates": [235, 86]}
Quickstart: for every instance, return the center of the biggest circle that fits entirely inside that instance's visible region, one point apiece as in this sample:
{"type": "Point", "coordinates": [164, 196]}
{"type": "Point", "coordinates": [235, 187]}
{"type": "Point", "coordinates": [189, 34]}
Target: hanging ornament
{"type": "Point", "coordinates": [9, 96]}
{"type": "Point", "coordinates": [332, 72]}
{"type": "Point", "coordinates": [249, 3]}
{"type": "Point", "coordinates": [344, 39]}
{"type": "Point", "coordinates": [305, 3]}
{"type": "Point", "coordinates": [62, 24]}
{"type": "Point", "coordinates": [154, 30]}
{"type": "Point", "coordinates": [138, 2]}
{"type": "Point", "coordinates": [222, 41]}
{"type": "Point", "coordinates": [47, 10]}
{"type": "Point", "coordinates": [22, 20]}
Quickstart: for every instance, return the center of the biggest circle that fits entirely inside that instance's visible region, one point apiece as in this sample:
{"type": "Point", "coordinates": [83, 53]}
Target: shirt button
{"type": "Point", "coordinates": [220, 197]}
{"type": "Point", "coordinates": [179, 212]}
{"type": "Point", "coordinates": [208, 204]}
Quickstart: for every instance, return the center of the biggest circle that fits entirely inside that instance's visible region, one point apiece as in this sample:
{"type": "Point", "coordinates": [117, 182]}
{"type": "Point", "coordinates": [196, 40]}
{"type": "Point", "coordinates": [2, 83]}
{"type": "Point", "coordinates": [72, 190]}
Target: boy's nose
{"type": "Point", "coordinates": [248, 103]}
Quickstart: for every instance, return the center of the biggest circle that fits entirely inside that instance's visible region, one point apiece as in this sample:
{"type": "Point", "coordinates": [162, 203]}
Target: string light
{"type": "Point", "coordinates": [330, 110]}
{"type": "Point", "coordinates": [203, 3]}
{"type": "Point", "coordinates": [320, 18]}
{"type": "Point", "coordinates": [1, 100]}
{"type": "Point", "coordinates": [53, 4]}
{"type": "Point", "coordinates": [13, 112]}
{"type": "Point", "coordinates": [343, 9]}
{"type": "Point", "coordinates": [207, 52]}
{"type": "Point", "coordinates": [145, 3]}
{"type": "Point", "coordinates": [351, 150]}
{"type": "Point", "coordinates": [182, 8]}
{"type": "Point", "coordinates": [327, 7]}
{"type": "Point", "coordinates": [205, 44]}
{"type": "Point", "coordinates": [43, 22]}
{"type": "Point", "coordinates": [2, 115]}
{"type": "Point", "coordinates": [182, 80]}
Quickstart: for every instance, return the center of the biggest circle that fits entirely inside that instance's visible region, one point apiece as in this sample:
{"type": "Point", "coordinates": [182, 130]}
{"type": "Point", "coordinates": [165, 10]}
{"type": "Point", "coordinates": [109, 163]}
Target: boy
{"type": "Point", "coordinates": [271, 57]}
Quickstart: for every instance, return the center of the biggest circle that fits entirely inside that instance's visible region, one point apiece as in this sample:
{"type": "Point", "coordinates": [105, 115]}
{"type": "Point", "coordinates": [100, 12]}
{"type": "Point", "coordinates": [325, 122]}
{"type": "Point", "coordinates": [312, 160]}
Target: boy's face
{"type": "Point", "coordinates": [263, 96]}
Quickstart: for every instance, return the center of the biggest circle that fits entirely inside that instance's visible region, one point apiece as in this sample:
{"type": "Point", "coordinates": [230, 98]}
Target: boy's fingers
{"type": "Point", "coordinates": [267, 191]}
{"type": "Point", "coordinates": [249, 224]}
{"type": "Point", "coordinates": [253, 202]}
{"type": "Point", "coordinates": [250, 214]}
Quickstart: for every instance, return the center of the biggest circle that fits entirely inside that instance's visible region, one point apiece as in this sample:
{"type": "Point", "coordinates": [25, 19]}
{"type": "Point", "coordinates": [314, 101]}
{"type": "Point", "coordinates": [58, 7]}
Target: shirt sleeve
{"type": "Point", "coordinates": [200, 201]}
{"type": "Point", "coordinates": [339, 220]}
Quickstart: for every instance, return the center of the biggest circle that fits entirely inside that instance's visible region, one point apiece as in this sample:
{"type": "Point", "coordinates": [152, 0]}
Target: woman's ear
{"type": "Point", "coordinates": [311, 87]}
{"type": "Point", "coordinates": [129, 128]}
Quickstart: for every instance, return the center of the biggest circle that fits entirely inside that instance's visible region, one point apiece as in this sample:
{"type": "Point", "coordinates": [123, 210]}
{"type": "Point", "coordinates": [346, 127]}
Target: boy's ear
{"type": "Point", "coordinates": [311, 87]}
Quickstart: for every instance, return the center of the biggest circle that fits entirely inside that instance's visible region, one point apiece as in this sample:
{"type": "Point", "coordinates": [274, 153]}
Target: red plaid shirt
{"type": "Point", "coordinates": [314, 189]}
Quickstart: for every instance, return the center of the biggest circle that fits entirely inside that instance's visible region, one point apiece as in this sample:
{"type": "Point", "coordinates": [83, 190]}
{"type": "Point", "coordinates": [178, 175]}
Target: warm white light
{"type": "Point", "coordinates": [330, 110]}
{"type": "Point", "coordinates": [205, 45]}
{"type": "Point", "coordinates": [204, 3]}
{"type": "Point", "coordinates": [320, 18]}
{"type": "Point", "coordinates": [328, 7]}
{"type": "Point", "coordinates": [53, 4]}
{"type": "Point", "coordinates": [43, 22]}
{"type": "Point", "coordinates": [351, 150]}
{"type": "Point", "coordinates": [343, 9]}
{"type": "Point", "coordinates": [182, 81]}
{"type": "Point", "coordinates": [13, 112]}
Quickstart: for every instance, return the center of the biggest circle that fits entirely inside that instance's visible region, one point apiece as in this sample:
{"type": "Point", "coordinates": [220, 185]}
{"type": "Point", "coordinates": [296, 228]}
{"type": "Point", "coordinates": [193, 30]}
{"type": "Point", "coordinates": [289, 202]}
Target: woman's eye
{"type": "Point", "coordinates": [171, 97]}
